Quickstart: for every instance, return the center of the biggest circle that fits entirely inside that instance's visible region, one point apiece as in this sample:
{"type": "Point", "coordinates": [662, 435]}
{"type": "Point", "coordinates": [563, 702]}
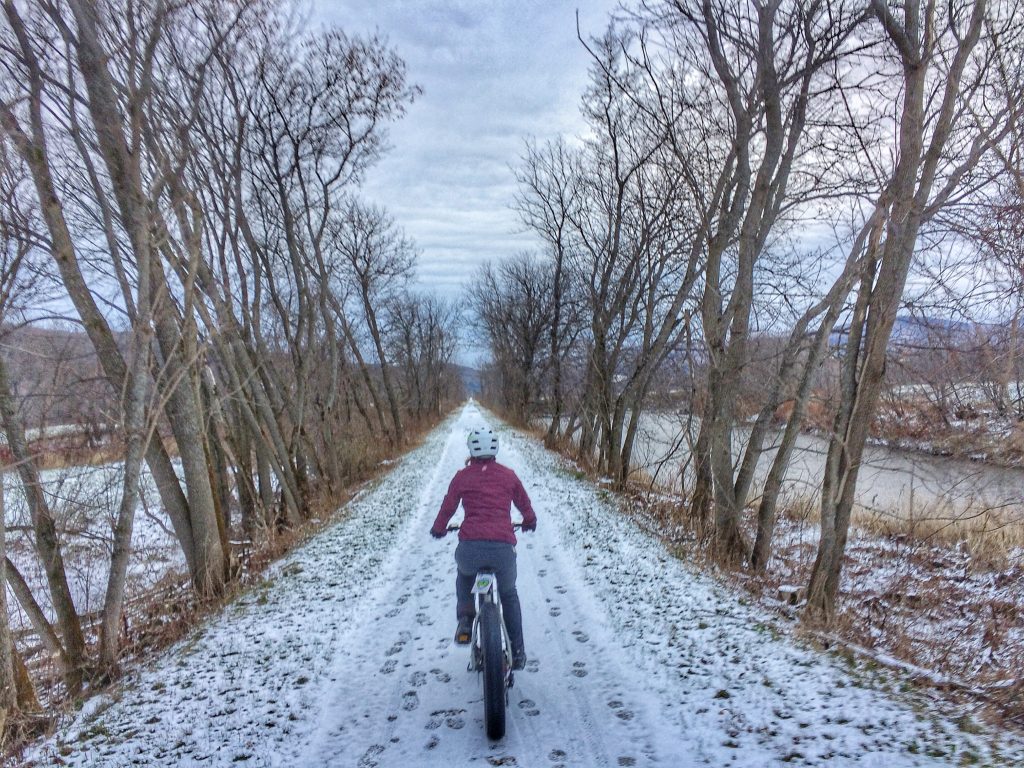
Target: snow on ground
{"type": "Point", "coordinates": [84, 501]}
{"type": "Point", "coordinates": [343, 657]}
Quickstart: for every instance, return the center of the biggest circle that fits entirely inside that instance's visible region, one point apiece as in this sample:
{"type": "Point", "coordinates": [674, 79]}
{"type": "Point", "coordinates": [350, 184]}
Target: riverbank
{"type": "Point", "coordinates": [980, 421]}
{"type": "Point", "coordinates": [968, 434]}
{"type": "Point", "coordinates": [933, 586]}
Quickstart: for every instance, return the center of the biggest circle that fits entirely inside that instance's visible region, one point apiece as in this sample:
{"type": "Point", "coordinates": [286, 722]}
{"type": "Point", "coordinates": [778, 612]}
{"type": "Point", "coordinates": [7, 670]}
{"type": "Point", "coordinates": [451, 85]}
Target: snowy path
{"type": "Point", "coordinates": [344, 657]}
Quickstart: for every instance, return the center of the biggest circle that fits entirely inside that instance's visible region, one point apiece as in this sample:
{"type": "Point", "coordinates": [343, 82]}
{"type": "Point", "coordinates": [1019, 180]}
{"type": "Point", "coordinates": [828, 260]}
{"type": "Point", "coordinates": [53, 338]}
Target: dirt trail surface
{"type": "Point", "coordinates": [344, 657]}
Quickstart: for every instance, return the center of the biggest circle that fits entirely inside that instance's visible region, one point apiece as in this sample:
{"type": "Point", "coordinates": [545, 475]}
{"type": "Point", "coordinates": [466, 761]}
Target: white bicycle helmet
{"type": "Point", "coordinates": [482, 443]}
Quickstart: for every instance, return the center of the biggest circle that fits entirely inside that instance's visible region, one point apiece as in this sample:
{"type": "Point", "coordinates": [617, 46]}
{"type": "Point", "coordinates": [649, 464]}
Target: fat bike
{"type": "Point", "coordinates": [490, 650]}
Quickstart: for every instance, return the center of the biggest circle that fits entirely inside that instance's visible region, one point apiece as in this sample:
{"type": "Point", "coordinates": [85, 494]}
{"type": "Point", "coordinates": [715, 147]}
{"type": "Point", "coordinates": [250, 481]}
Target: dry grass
{"type": "Point", "coordinates": [993, 537]}
{"type": "Point", "coordinates": [919, 593]}
{"type": "Point", "coordinates": [936, 606]}
{"type": "Point", "coordinates": [78, 457]}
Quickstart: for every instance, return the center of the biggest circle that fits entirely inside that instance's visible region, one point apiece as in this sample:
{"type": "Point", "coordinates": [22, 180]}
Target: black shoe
{"type": "Point", "coordinates": [464, 632]}
{"type": "Point", "coordinates": [519, 660]}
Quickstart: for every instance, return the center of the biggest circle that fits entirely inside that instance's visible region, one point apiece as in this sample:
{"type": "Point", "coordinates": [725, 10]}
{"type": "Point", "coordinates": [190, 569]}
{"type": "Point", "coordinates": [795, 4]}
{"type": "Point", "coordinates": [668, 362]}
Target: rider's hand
{"type": "Point", "coordinates": [438, 534]}
{"type": "Point", "coordinates": [529, 527]}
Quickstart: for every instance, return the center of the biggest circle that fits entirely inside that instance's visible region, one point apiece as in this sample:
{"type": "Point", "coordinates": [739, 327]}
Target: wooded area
{"type": "Point", "coordinates": [764, 188]}
{"type": "Point", "coordinates": [180, 181]}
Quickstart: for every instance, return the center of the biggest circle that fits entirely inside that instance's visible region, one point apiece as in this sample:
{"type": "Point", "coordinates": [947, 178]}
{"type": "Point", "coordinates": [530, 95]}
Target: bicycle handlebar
{"type": "Point", "coordinates": [515, 527]}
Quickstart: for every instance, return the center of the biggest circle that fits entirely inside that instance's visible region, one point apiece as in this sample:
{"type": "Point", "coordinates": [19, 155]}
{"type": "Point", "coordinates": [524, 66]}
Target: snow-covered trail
{"type": "Point", "coordinates": [344, 657]}
{"type": "Point", "coordinates": [402, 695]}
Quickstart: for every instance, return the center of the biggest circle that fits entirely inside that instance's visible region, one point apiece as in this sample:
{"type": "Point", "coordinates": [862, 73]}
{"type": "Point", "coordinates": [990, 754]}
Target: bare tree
{"type": "Point", "coordinates": [945, 62]}
{"type": "Point", "coordinates": [190, 171]}
{"type": "Point", "coordinates": [748, 134]}
{"type": "Point", "coordinates": [424, 335]}
{"type": "Point", "coordinates": [378, 258]}
{"type": "Point", "coordinates": [546, 201]}
{"type": "Point", "coordinates": [514, 306]}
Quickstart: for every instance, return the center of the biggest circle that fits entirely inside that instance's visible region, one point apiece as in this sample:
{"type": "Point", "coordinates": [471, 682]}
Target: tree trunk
{"type": "Point", "coordinates": [136, 438]}
{"type": "Point", "coordinates": [909, 200]}
{"type": "Point", "coordinates": [8, 681]}
{"type": "Point", "coordinates": [701, 498]}
{"type": "Point", "coordinates": [385, 373]}
{"type": "Point", "coordinates": [184, 414]}
{"type": "Point", "coordinates": [47, 634]}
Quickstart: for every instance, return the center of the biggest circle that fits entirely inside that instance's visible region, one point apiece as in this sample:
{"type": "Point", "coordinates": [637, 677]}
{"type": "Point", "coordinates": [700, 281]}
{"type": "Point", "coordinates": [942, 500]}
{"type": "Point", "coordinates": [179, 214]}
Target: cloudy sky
{"type": "Point", "coordinates": [492, 73]}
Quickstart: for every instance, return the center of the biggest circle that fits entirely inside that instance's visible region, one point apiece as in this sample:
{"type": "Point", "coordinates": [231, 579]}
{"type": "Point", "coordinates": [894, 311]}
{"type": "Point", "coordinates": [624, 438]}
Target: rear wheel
{"type": "Point", "coordinates": [494, 671]}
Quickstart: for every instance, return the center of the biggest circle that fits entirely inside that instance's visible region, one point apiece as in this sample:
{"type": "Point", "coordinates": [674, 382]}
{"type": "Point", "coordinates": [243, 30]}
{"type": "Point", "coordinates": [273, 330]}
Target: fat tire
{"type": "Point", "coordinates": [494, 671]}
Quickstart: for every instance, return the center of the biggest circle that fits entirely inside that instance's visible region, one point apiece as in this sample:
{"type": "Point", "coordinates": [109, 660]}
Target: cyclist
{"type": "Point", "coordinates": [487, 491]}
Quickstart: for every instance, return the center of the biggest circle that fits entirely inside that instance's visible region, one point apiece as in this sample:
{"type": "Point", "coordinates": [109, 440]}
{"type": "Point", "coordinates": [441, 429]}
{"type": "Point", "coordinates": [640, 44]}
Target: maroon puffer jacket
{"type": "Point", "coordinates": [487, 491]}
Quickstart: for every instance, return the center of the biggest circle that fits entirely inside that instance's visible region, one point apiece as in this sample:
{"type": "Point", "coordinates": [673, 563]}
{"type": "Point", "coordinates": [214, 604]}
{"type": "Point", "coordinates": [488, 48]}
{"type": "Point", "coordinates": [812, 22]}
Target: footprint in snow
{"type": "Point", "coordinates": [581, 636]}
{"type": "Point", "coordinates": [418, 679]}
{"type": "Point", "coordinates": [555, 611]}
{"type": "Point", "coordinates": [557, 755]}
{"type": "Point", "coordinates": [579, 668]}
{"type": "Point", "coordinates": [368, 760]}
{"type": "Point", "coordinates": [393, 612]}
{"type": "Point", "coordinates": [529, 707]}
{"type": "Point", "coordinates": [441, 676]}
{"type": "Point", "coordinates": [560, 589]}
{"type": "Point", "coordinates": [450, 717]}
{"type": "Point", "coordinates": [410, 700]}
{"type": "Point", "coordinates": [533, 665]}
{"type": "Point", "coordinates": [424, 620]}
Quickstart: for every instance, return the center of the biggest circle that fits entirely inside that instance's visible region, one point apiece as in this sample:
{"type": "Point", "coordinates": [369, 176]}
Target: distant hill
{"type": "Point", "coordinates": [56, 377]}
{"type": "Point", "coordinates": [470, 380]}
{"type": "Point", "coordinates": [911, 331]}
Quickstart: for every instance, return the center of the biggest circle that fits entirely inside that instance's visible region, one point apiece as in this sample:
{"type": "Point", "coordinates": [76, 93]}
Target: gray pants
{"type": "Point", "coordinates": [471, 557]}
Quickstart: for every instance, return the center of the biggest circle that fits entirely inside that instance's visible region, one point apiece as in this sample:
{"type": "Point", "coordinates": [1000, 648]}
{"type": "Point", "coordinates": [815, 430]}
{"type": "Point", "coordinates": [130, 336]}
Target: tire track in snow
{"type": "Point", "coordinates": [602, 699]}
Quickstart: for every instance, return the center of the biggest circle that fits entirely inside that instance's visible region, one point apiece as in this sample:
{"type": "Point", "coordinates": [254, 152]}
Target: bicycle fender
{"type": "Point", "coordinates": [484, 583]}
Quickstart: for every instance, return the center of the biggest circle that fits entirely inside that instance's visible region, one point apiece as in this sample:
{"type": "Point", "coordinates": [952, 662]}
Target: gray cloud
{"type": "Point", "coordinates": [492, 72]}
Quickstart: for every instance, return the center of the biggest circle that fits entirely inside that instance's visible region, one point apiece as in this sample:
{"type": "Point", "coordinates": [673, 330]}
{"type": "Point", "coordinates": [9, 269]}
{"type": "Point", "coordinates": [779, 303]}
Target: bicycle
{"type": "Point", "coordinates": [490, 649]}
